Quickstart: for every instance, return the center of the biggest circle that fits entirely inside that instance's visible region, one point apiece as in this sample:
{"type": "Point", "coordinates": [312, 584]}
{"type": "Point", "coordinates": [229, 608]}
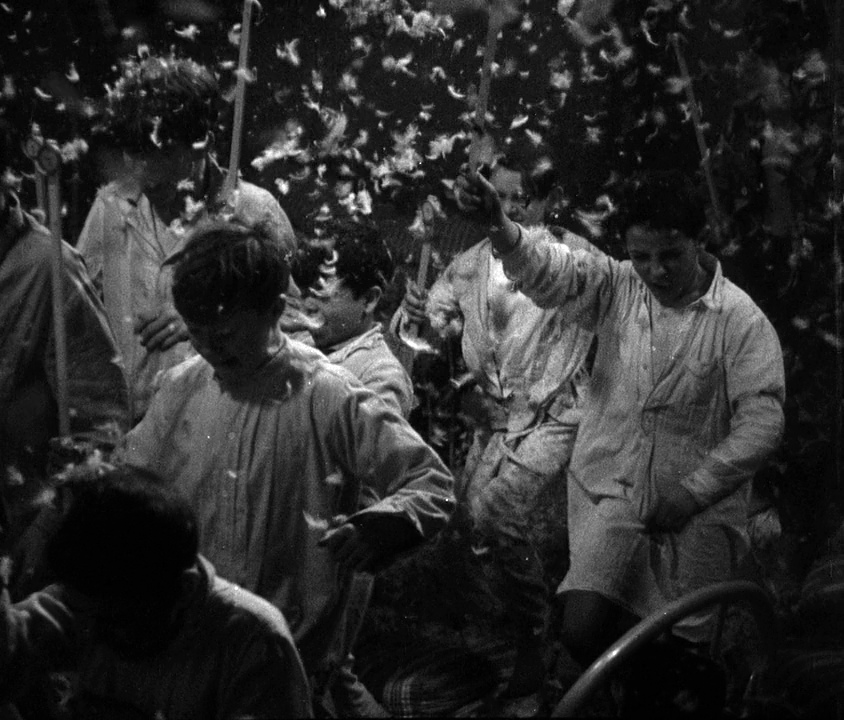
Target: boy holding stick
{"type": "Point", "coordinates": [529, 383]}
{"type": "Point", "coordinates": [162, 116]}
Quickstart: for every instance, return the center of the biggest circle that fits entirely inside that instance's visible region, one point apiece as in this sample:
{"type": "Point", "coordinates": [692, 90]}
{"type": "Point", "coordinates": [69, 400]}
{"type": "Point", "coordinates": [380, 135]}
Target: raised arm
{"type": "Point", "coordinates": [570, 275]}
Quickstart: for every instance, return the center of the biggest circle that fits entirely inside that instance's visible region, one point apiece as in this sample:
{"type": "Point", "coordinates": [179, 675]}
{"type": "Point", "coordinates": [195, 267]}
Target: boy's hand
{"type": "Point", "coordinates": [346, 543]}
{"type": "Point", "coordinates": [371, 546]}
{"type": "Point", "coordinates": [414, 303]}
{"type": "Point", "coordinates": [675, 507]}
{"type": "Point", "coordinates": [160, 330]}
{"type": "Point", "coordinates": [476, 195]}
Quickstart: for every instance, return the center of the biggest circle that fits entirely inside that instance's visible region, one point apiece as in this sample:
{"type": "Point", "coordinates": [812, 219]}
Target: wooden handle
{"type": "Point", "coordinates": [493, 28]}
{"type": "Point", "coordinates": [239, 100]}
{"type": "Point", "coordinates": [55, 221]}
{"type": "Point", "coordinates": [701, 142]}
{"type": "Point", "coordinates": [428, 217]}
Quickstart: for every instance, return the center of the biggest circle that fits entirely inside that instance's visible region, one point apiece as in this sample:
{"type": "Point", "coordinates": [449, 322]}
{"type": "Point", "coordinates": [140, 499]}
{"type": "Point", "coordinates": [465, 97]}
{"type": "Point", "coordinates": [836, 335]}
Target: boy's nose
{"type": "Point", "coordinates": [658, 271]}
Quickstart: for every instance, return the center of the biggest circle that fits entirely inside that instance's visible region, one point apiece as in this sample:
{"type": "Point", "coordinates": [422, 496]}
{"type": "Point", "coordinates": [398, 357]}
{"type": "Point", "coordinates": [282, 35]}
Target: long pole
{"type": "Point", "coordinates": [55, 224]}
{"type": "Point", "coordinates": [494, 25]}
{"type": "Point", "coordinates": [425, 253]}
{"type": "Point", "coordinates": [838, 261]}
{"type": "Point", "coordinates": [239, 99]}
{"type": "Point", "coordinates": [701, 142]}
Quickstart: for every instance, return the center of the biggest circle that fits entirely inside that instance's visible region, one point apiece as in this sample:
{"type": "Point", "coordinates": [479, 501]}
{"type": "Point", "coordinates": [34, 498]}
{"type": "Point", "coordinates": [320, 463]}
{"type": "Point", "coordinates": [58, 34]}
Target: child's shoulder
{"type": "Point", "coordinates": [194, 369]}
{"type": "Point", "coordinates": [316, 365]}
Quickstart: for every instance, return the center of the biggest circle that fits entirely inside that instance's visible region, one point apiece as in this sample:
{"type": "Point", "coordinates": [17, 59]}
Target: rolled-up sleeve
{"type": "Point", "coordinates": [580, 283]}
{"type": "Point", "coordinates": [392, 461]}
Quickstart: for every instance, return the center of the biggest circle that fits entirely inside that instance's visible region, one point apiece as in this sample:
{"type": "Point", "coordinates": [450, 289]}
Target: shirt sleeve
{"type": "Point", "coordinates": [281, 224]}
{"type": "Point", "coordinates": [140, 446]}
{"type": "Point", "coordinates": [580, 283]}
{"type": "Point", "coordinates": [98, 393]}
{"type": "Point", "coordinates": [755, 384]}
{"type": "Point", "coordinates": [267, 680]}
{"type": "Point", "coordinates": [259, 206]}
{"type": "Point", "coordinates": [90, 243]}
{"type": "Point", "coordinates": [39, 635]}
{"type": "Point", "coordinates": [390, 384]}
{"type": "Point", "coordinates": [393, 464]}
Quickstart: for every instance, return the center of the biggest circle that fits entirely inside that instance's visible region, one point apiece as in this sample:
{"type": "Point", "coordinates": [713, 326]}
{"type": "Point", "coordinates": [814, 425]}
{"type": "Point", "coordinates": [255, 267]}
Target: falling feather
{"type": "Point", "coordinates": [191, 32]}
{"type": "Point", "coordinates": [290, 52]}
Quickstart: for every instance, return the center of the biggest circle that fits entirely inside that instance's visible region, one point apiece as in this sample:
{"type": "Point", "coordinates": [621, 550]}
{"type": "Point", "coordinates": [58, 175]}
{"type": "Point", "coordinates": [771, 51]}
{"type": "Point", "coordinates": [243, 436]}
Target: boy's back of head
{"type": "Point", "coordinates": [125, 535]}
{"type": "Point", "coordinates": [159, 101]}
{"type": "Point", "coordinates": [660, 200]}
{"type": "Point", "coordinates": [355, 250]}
{"type": "Point", "coordinates": [225, 267]}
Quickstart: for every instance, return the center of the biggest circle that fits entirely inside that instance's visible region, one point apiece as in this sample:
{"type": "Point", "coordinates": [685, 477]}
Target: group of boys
{"type": "Point", "coordinates": [290, 468]}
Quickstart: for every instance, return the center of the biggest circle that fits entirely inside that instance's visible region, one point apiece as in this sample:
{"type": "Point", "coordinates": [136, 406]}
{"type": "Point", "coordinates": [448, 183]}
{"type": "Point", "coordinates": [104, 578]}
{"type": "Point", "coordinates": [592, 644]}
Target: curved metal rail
{"type": "Point", "coordinates": [653, 626]}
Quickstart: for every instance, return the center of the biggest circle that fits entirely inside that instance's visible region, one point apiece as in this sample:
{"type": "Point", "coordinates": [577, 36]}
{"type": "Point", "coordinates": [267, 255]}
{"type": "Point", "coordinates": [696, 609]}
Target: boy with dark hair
{"type": "Point", "coordinates": [162, 115]}
{"type": "Point", "coordinates": [530, 381]}
{"type": "Point", "coordinates": [96, 387]}
{"type": "Point", "coordinates": [343, 278]}
{"type": "Point", "coordinates": [140, 620]}
{"type": "Point", "coordinates": [686, 404]}
{"type": "Point", "coordinates": [276, 447]}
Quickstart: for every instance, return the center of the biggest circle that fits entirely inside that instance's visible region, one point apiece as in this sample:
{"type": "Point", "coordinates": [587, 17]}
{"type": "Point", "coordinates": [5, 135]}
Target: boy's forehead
{"type": "Point", "coordinates": [655, 238]}
{"type": "Point", "coordinates": [225, 322]}
{"type": "Point", "coordinates": [504, 178]}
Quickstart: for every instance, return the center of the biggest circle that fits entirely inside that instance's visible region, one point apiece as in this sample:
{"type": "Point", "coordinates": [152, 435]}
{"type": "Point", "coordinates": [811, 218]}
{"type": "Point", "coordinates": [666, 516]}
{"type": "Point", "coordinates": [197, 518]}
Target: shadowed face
{"type": "Point", "coordinates": [517, 203]}
{"type": "Point", "coordinates": [237, 344]}
{"type": "Point", "coordinates": [338, 313]}
{"type": "Point", "coordinates": [667, 261]}
{"type": "Point", "coordinates": [166, 176]}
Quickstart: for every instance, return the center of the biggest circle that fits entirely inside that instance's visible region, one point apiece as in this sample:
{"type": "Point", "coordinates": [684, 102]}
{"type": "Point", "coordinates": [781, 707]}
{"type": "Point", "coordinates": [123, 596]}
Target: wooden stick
{"type": "Point", "coordinates": [701, 142]}
{"type": "Point", "coordinates": [41, 195]}
{"type": "Point", "coordinates": [837, 21]}
{"type": "Point", "coordinates": [424, 255]}
{"type": "Point", "coordinates": [55, 221]}
{"type": "Point", "coordinates": [239, 100]}
{"type": "Point", "coordinates": [493, 28]}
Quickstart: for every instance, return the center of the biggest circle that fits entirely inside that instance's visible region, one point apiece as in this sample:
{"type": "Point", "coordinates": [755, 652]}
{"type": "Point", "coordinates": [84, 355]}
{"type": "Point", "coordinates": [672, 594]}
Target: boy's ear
{"type": "Point", "coordinates": [279, 304]}
{"type": "Point", "coordinates": [373, 297]}
{"type": "Point", "coordinates": [188, 582]}
{"type": "Point", "coordinates": [556, 197]}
